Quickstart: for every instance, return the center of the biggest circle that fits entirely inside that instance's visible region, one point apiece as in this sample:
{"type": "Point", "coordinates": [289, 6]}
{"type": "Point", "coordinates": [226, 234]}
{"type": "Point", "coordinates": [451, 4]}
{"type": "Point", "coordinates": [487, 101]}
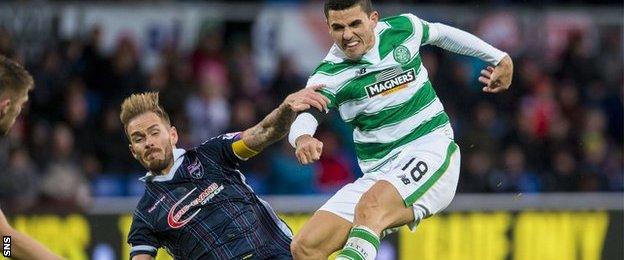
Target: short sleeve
{"type": "Point", "coordinates": [141, 238]}
{"type": "Point", "coordinates": [222, 148]}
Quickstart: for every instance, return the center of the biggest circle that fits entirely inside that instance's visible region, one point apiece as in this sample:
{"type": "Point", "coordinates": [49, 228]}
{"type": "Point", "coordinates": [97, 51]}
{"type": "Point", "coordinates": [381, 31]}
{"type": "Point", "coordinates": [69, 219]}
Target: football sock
{"type": "Point", "coordinates": [362, 244]}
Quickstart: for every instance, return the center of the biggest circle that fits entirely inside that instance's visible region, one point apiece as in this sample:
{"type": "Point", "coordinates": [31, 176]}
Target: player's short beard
{"type": "Point", "coordinates": [157, 165]}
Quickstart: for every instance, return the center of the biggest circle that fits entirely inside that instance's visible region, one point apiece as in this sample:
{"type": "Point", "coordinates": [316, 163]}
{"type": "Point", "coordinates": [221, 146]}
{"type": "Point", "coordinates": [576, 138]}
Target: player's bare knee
{"type": "Point", "coordinates": [370, 209]}
{"type": "Point", "coordinates": [301, 247]}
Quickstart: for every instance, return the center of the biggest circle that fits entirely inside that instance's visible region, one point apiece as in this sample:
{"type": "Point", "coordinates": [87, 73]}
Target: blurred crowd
{"type": "Point", "coordinates": [558, 129]}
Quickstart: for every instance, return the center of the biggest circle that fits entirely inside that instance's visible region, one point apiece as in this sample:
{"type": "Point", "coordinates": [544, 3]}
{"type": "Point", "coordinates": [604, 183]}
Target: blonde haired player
{"type": "Point", "coordinates": [196, 203]}
{"type": "Point", "coordinates": [15, 83]}
{"type": "Point", "coordinates": [404, 142]}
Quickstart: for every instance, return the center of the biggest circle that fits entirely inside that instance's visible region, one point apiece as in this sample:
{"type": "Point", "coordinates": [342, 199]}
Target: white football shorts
{"type": "Point", "coordinates": [425, 173]}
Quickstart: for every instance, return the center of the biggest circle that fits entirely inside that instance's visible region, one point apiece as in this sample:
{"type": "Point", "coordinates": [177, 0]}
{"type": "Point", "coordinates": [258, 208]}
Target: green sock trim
{"type": "Point", "coordinates": [366, 235]}
{"type": "Point", "coordinates": [350, 253]}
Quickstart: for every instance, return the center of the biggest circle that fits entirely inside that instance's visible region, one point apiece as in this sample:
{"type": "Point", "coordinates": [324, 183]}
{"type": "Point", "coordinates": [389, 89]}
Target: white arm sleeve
{"type": "Point", "coordinates": [305, 123]}
{"type": "Point", "coordinates": [458, 41]}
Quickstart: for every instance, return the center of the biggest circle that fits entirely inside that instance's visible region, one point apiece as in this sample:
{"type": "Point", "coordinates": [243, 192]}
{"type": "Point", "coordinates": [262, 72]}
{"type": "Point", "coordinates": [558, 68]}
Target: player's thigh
{"type": "Point", "coordinates": [325, 231]}
{"type": "Point", "coordinates": [382, 207]}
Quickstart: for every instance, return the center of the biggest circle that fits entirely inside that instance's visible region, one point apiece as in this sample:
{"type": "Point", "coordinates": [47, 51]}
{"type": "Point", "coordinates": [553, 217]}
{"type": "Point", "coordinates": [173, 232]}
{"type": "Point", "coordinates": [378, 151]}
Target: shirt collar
{"type": "Point", "coordinates": [177, 161]}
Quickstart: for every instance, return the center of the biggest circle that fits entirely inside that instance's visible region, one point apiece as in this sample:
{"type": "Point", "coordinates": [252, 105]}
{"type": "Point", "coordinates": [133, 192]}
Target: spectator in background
{"type": "Point", "coordinates": [540, 107]}
{"type": "Point", "coordinates": [39, 143]}
{"type": "Point", "coordinates": [112, 146]}
{"type": "Point", "coordinates": [513, 176]}
{"type": "Point", "coordinates": [18, 181]}
{"type": "Point", "coordinates": [243, 114]}
{"type": "Point", "coordinates": [74, 61]}
{"type": "Point", "coordinates": [77, 115]}
{"type": "Point", "coordinates": [287, 176]}
{"type": "Point", "coordinates": [333, 170]}
{"type": "Point", "coordinates": [50, 85]}
{"type": "Point", "coordinates": [485, 131]}
{"type": "Point", "coordinates": [595, 150]}
{"type": "Point", "coordinates": [208, 60]}
{"type": "Point", "coordinates": [6, 43]}
{"type": "Point", "coordinates": [614, 172]}
{"type": "Point", "coordinates": [125, 76]}
{"type": "Point", "coordinates": [575, 61]}
{"type": "Point", "coordinates": [97, 67]}
{"type": "Point", "coordinates": [286, 79]}
{"type": "Point", "coordinates": [565, 176]}
{"type": "Point", "coordinates": [208, 110]}
{"type": "Point", "coordinates": [244, 79]}
{"type": "Point", "coordinates": [63, 183]}
{"type": "Point", "coordinates": [477, 174]}
{"type": "Point", "coordinates": [160, 79]}
{"type": "Point", "coordinates": [568, 99]}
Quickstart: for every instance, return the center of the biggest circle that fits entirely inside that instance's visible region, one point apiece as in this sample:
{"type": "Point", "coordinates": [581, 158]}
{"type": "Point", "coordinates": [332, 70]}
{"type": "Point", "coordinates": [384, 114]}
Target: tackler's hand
{"type": "Point", "coordinates": [307, 98]}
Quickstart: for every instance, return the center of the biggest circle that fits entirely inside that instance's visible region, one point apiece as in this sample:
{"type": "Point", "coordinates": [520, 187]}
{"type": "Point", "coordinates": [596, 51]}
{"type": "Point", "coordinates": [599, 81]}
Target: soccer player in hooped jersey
{"type": "Point", "coordinates": [375, 78]}
{"type": "Point", "coordinates": [196, 203]}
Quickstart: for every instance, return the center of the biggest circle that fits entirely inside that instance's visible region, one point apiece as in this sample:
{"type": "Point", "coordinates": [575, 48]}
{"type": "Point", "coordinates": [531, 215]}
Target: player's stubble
{"type": "Point", "coordinates": [155, 160]}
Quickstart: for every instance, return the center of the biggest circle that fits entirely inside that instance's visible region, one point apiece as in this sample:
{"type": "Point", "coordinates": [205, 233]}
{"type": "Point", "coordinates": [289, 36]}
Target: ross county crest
{"type": "Point", "coordinates": [402, 54]}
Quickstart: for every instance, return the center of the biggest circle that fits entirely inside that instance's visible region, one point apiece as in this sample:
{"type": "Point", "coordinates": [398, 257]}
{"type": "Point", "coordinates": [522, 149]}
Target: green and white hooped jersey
{"type": "Point", "coordinates": [386, 96]}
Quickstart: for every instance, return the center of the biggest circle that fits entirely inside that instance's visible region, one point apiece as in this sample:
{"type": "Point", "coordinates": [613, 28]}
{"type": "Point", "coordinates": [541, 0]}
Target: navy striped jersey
{"type": "Point", "coordinates": [202, 209]}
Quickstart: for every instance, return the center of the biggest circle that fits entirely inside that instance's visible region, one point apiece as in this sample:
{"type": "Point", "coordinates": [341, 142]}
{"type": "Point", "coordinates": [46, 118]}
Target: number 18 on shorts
{"type": "Point", "coordinates": [426, 175]}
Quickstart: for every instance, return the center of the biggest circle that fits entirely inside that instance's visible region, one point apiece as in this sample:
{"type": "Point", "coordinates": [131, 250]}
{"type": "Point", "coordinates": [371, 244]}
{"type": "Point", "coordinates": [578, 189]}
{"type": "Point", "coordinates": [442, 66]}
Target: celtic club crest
{"type": "Point", "coordinates": [402, 54]}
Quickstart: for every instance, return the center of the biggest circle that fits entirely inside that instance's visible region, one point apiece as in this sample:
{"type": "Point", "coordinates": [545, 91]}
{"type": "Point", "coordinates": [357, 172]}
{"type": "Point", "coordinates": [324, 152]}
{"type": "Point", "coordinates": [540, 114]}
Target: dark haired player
{"type": "Point", "coordinates": [404, 141]}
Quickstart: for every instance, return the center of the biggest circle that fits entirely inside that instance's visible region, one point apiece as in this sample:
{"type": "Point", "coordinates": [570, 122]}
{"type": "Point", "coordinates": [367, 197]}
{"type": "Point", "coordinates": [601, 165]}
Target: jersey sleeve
{"type": "Point", "coordinates": [456, 40]}
{"type": "Point", "coordinates": [420, 27]}
{"type": "Point", "coordinates": [141, 238]}
{"type": "Point", "coordinates": [227, 148]}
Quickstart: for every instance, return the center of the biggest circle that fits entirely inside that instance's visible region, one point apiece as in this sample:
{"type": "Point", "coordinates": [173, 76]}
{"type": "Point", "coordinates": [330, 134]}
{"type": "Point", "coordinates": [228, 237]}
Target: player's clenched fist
{"type": "Point", "coordinates": [307, 98]}
{"type": "Point", "coordinates": [497, 79]}
{"type": "Point", "coordinates": [308, 149]}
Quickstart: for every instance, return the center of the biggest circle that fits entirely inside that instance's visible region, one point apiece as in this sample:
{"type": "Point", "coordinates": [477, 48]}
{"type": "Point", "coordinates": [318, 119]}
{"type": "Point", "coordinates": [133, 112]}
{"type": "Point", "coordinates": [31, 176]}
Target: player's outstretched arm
{"type": "Point", "coordinates": [276, 125]}
{"type": "Point", "coordinates": [24, 247]}
{"type": "Point", "coordinates": [497, 77]}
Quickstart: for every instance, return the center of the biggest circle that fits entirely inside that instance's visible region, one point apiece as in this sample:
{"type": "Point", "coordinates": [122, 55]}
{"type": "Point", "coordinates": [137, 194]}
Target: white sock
{"type": "Point", "coordinates": [362, 244]}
